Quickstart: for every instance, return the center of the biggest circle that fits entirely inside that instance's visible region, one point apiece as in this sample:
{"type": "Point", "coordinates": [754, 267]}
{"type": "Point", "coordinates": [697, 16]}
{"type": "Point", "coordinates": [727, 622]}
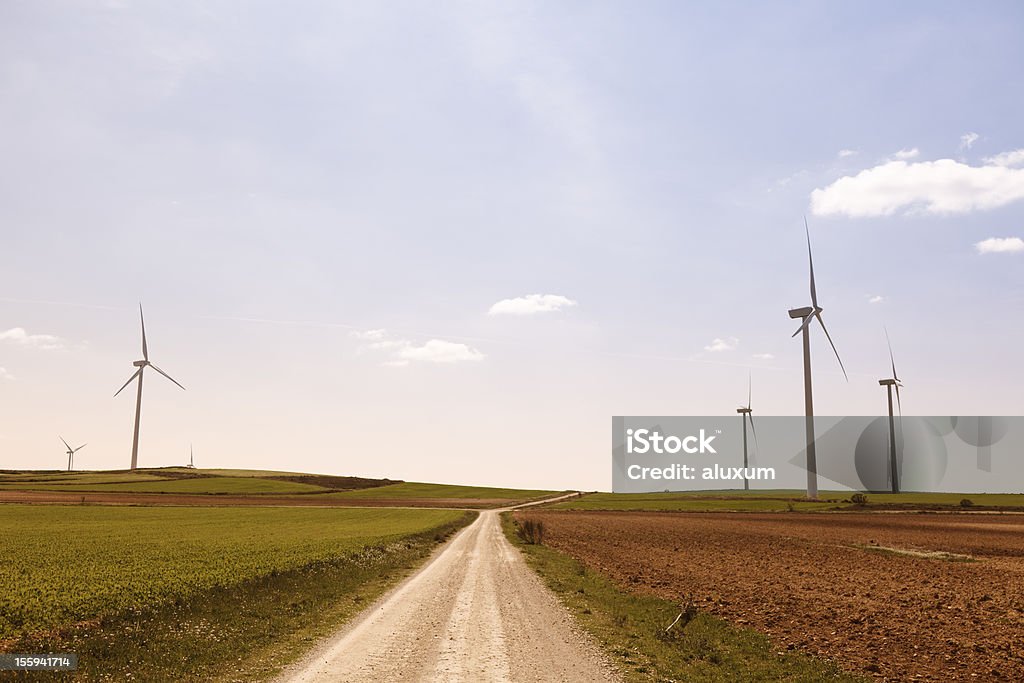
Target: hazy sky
{"type": "Point", "coordinates": [335, 213]}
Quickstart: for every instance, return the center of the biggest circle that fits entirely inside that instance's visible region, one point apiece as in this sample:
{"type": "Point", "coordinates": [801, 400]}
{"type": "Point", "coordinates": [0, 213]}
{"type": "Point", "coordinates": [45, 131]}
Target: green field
{"type": "Point", "coordinates": [198, 485]}
{"type": "Point", "coordinates": [778, 501]}
{"type": "Point", "coordinates": [80, 562]}
{"type": "Point", "coordinates": [411, 490]}
{"type": "Point", "coordinates": [333, 490]}
{"type": "Point", "coordinates": [913, 498]}
{"type": "Point", "coordinates": [685, 503]}
{"type": "Point", "coordinates": [31, 479]}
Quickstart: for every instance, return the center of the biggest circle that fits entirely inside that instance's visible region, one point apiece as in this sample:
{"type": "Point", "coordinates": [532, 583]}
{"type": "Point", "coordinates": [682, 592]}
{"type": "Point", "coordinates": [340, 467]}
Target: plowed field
{"type": "Point", "coordinates": [867, 590]}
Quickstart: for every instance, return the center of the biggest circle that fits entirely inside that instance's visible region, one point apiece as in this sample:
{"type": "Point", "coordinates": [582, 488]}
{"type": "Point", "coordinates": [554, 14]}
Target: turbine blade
{"type": "Point", "coordinates": [749, 390]}
{"type": "Point", "coordinates": [137, 373]}
{"type": "Point", "coordinates": [891, 359]}
{"type": "Point", "coordinates": [810, 261]}
{"type": "Point", "coordinates": [166, 375]}
{"type": "Point", "coordinates": [752, 430]}
{"type": "Point", "coordinates": [834, 350]}
{"type": "Point", "coordinates": [806, 322]}
{"type": "Point", "coordinates": [145, 349]}
{"type": "Point", "coordinates": [80, 448]}
{"type": "Point", "coordinates": [65, 442]}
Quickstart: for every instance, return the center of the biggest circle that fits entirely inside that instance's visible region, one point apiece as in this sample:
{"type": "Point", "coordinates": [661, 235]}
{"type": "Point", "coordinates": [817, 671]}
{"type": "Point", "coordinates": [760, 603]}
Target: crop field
{"type": "Point", "coordinates": [200, 485]}
{"type": "Point", "coordinates": [891, 595]}
{"type": "Point", "coordinates": [79, 562]}
{"type": "Point", "coordinates": [784, 500]}
{"type": "Point", "coordinates": [687, 502]}
{"type": "Point", "coordinates": [185, 486]}
{"type": "Point", "coordinates": [31, 479]}
{"type": "Point", "coordinates": [416, 493]}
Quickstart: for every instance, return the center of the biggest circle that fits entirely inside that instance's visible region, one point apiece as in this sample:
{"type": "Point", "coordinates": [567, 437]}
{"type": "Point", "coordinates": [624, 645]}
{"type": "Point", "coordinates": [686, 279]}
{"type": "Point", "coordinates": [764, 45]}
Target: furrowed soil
{"type": "Point", "coordinates": [838, 585]}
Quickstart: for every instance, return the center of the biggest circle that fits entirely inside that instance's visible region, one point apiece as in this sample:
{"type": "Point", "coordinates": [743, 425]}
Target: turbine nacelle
{"type": "Point", "coordinates": [803, 312]}
{"type": "Point", "coordinates": [890, 382]}
{"type": "Point", "coordinates": [744, 410]}
{"type": "Point", "coordinates": [141, 363]}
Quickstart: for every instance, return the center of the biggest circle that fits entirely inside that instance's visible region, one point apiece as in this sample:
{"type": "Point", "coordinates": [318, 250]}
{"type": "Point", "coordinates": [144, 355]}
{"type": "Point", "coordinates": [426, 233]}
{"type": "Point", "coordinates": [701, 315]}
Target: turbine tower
{"type": "Point", "coordinates": [889, 384]}
{"type": "Point", "coordinates": [71, 451]}
{"type": "Point", "coordinates": [747, 413]}
{"type": "Point", "coordinates": [809, 314]}
{"type": "Point", "coordinates": [141, 365]}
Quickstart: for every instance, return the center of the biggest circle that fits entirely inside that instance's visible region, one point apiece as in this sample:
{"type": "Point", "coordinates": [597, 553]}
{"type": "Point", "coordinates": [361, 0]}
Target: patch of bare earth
{"type": "Point", "coordinates": [813, 583]}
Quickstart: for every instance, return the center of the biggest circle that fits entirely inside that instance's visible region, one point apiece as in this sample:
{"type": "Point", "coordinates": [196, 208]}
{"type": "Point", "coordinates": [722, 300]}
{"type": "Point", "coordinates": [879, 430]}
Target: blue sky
{"type": "Point", "coordinates": [369, 179]}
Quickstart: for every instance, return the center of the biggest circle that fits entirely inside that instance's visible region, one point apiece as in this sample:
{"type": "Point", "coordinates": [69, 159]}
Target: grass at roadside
{"type": "Point", "coordinates": [631, 629]}
{"type": "Point", "coordinates": [240, 631]}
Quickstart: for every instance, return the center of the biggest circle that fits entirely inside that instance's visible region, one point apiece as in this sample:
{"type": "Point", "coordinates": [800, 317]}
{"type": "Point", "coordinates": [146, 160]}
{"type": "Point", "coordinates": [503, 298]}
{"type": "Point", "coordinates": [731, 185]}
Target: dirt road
{"type": "Point", "coordinates": [475, 612]}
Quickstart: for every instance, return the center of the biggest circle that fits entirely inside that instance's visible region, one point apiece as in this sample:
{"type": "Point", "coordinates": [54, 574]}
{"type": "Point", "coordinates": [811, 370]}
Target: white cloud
{"type": "Point", "coordinates": [967, 140]}
{"type": "Point", "coordinates": [402, 352]}
{"type": "Point", "coordinates": [876, 299]}
{"type": "Point", "coordinates": [5, 375]}
{"type": "Point", "coordinates": [764, 356]}
{"type": "Point", "coordinates": [439, 351]}
{"type": "Point", "coordinates": [944, 186]}
{"type": "Point", "coordinates": [1012, 158]}
{"type": "Point", "coordinates": [728, 344]}
{"type": "Point", "coordinates": [18, 335]}
{"type": "Point", "coordinates": [369, 335]}
{"type": "Point", "coordinates": [531, 304]}
{"type": "Point", "coordinates": [1000, 245]}
{"type": "Point", "coordinates": [843, 153]}
{"type": "Point", "coordinates": [907, 154]}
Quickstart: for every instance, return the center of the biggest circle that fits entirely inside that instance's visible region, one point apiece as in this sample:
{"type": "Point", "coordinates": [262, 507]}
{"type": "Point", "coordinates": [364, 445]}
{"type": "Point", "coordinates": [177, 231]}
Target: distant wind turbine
{"type": "Point", "coordinates": [191, 457]}
{"type": "Point", "coordinates": [747, 413]}
{"type": "Point", "coordinates": [889, 384]}
{"type": "Point", "coordinates": [809, 314]}
{"type": "Point", "coordinates": [71, 451]}
{"type": "Point", "coordinates": [141, 365]}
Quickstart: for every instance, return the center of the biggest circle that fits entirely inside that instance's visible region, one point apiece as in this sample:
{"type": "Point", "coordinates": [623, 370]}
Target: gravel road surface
{"type": "Point", "coordinates": [475, 612]}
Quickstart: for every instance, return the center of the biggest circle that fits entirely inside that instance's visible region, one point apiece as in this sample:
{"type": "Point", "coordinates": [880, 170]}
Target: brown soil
{"type": "Point", "coordinates": [825, 584]}
{"type": "Point", "coordinates": [298, 500]}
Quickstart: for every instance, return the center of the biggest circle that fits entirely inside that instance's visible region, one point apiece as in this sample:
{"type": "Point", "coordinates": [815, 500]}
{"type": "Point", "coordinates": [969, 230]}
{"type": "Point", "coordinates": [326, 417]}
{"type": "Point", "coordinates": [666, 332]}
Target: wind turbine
{"type": "Point", "coordinates": [141, 365]}
{"type": "Point", "coordinates": [809, 314]}
{"type": "Point", "coordinates": [889, 384]}
{"type": "Point", "coordinates": [747, 413]}
{"type": "Point", "coordinates": [191, 457]}
{"type": "Point", "coordinates": [71, 451]}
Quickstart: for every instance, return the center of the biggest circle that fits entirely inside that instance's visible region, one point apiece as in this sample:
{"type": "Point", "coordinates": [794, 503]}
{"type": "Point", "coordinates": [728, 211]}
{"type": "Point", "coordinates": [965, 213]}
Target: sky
{"type": "Point", "coordinates": [448, 241]}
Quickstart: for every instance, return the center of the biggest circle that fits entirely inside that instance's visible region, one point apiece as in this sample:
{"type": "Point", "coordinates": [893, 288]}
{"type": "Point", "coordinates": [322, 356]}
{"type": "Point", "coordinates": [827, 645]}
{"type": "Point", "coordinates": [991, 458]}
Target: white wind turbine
{"type": "Point", "coordinates": [71, 451]}
{"type": "Point", "coordinates": [141, 365]}
{"type": "Point", "coordinates": [747, 412]}
{"type": "Point", "coordinates": [889, 384]}
{"type": "Point", "coordinates": [809, 314]}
